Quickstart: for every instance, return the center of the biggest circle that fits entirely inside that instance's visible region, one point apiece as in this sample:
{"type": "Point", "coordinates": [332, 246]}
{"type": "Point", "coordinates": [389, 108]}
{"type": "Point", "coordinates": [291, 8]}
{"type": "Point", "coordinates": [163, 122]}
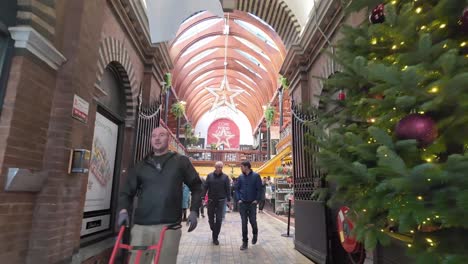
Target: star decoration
{"type": "Point", "coordinates": [223, 137]}
{"type": "Point", "coordinates": [224, 95]}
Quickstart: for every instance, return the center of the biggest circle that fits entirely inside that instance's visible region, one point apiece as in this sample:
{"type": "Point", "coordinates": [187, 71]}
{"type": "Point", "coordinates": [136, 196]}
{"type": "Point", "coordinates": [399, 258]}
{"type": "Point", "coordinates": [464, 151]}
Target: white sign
{"type": "Point", "coordinates": [101, 165]}
{"type": "Point", "coordinates": [94, 224]}
{"type": "Point", "coordinates": [80, 109]}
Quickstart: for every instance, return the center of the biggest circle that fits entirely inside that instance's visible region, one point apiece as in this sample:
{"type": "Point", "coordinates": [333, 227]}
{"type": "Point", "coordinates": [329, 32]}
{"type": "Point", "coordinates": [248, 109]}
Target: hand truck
{"type": "Point", "coordinates": [140, 249]}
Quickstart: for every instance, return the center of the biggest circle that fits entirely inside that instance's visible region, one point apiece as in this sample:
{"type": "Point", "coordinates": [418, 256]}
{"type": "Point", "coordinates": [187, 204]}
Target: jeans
{"type": "Point", "coordinates": [215, 216]}
{"type": "Point", "coordinates": [261, 204]}
{"type": "Point", "coordinates": [248, 212]}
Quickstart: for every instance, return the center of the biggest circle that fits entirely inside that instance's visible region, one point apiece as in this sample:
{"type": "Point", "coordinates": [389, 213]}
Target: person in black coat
{"type": "Point", "coordinates": [218, 188]}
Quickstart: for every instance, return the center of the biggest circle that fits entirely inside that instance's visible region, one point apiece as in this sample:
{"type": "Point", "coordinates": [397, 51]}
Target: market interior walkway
{"type": "Point", "coordinates": [197, 247]}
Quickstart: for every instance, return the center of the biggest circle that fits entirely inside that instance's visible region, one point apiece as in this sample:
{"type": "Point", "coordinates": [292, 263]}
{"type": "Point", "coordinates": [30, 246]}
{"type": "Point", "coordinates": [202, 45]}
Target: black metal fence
{"type": "Point", "coordinates": [148, 118]}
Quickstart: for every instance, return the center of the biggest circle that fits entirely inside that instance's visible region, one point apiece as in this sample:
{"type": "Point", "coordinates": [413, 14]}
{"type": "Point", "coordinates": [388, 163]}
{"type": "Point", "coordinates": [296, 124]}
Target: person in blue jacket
{"type": "Point", "coordinates": [185, 201]}
{"type": "Point", "coordinates": [248, 192]}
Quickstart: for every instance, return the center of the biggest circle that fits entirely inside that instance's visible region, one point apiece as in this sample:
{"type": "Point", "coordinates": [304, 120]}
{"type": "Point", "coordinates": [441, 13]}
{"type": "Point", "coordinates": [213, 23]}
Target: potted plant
{"type": "Point", "coordinates": [178, 110]}
{"type": "Point", "coordinates": [284, 82]}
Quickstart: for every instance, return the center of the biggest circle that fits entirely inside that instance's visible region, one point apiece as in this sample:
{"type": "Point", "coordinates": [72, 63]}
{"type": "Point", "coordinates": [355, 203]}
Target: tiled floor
{"type": "Point", "coordinates": [197, 247]}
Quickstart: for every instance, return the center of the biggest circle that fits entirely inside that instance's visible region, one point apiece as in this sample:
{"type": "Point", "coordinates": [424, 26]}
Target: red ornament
{"type": "Point", "coordinates": [464, 20]}
{"type": "Point", "coordinates": [341, 96]}
{"type": "Point", "coordinates": [419, 127]}
{"type": "Point", "coordinates": [377, 15]}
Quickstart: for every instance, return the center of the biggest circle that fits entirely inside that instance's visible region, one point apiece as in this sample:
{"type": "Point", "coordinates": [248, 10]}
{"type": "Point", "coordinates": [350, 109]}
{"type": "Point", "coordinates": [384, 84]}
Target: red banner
{"type": "Point", "coordinates": [224, 133]}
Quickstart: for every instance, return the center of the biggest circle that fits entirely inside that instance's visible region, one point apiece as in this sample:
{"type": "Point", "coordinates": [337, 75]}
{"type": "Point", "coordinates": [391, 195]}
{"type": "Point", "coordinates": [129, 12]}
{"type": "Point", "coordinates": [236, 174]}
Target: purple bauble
{"type": "Point", "coordinates": [419, 127]}
{"type": "Point", "coordinates": [464, 20]}
{"type": "Point", "coordinates": [377, 15]}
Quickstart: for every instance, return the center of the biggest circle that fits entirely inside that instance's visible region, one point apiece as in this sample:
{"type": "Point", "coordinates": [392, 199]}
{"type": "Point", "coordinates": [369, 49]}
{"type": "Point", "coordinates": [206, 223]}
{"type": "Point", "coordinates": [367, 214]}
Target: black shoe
{"type": "Point", "coordinates": [216, 242]}
{"type": "Point", "coordinates": [254, 240]}
{"type": "Point", "coordinates": [244, 246]}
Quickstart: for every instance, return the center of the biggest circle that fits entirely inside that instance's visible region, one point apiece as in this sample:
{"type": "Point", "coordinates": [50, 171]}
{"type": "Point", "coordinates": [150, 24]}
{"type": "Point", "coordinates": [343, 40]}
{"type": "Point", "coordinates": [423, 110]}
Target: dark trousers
{"type": "Point", "coordinates": [248, 212]}
{"type": "Point", "coordinates": [202, 210]}
{"type": "Point", "coordinates": [215, 216]}
{"type": "Point", "coordinates": [261, 204]}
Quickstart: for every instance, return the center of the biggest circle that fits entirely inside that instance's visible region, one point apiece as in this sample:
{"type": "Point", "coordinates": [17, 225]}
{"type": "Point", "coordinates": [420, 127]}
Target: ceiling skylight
{"type": "Point", "coordinates": [257, 32]}
{"type": "Point", "coordinates": [198, 28]}
{"type": "Point", "coordinates": [200, 56]}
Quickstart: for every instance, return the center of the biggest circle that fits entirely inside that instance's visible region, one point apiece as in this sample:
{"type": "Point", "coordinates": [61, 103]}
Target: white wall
{"type": "Point", "coordinates": [301, 9]}
{"type": "Point", "coordinates": [239, 119]}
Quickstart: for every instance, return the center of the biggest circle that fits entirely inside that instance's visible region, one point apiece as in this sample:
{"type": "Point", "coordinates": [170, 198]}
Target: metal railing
{"type": "Point", "coordinates": [230, 156]}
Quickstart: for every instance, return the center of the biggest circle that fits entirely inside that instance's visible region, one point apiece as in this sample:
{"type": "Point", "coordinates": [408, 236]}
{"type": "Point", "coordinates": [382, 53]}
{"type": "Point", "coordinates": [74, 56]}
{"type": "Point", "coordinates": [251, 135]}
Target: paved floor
{"type": "Point", "coordinates": [197, 247]}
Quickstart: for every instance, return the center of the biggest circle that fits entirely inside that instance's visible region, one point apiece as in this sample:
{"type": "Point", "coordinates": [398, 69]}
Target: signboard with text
{"type": "Point", "coordinates": [80, 109]}
{"type": "Point", "coordinates": [224, 133]}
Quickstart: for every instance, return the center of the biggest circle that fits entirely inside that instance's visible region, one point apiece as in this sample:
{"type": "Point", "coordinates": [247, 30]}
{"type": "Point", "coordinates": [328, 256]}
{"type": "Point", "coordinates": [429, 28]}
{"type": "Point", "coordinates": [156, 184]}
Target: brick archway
{"type": "Point", "coordinates": [113, 52]}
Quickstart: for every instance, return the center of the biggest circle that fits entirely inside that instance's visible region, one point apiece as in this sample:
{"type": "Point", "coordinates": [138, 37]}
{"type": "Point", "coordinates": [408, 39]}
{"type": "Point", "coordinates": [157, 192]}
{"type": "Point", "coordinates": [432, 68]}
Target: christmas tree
{"type": "Point", "coordinates": [396, 144]}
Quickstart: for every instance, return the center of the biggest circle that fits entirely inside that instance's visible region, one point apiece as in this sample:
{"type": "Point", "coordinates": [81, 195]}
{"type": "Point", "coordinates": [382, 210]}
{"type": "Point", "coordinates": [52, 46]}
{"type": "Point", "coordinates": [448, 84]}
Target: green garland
{"type": "Point", "coordinates": [413, 62]}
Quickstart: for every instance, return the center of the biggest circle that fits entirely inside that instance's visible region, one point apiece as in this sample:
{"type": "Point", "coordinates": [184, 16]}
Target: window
{"type": "Point", "coordinates": [6, 48]}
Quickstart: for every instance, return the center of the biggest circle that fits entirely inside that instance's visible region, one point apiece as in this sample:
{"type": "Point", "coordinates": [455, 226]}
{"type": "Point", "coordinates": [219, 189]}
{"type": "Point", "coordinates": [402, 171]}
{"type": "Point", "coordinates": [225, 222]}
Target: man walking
{"type": "Point", "coordinates": [218, 187]}
{"type": "Point", "coordinates": [248, 192]}
{"type": "Point", "coordinates": [158, 181]}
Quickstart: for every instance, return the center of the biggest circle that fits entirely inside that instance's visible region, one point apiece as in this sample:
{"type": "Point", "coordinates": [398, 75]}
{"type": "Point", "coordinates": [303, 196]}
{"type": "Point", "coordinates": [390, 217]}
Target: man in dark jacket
{"type": "Point", "coordinates": [248, 191]}
{"type": "Point", "coordinates": [158, 180]}
{"type": "Point", "coordinates": [218, 187]}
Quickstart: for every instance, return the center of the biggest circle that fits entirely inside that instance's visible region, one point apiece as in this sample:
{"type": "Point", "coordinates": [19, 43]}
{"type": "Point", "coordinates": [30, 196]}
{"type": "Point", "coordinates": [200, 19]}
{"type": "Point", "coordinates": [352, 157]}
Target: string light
{"type": "Point", "coordinates": [411, 231]}
{"type": "Point", "coordinates": [436, 216]}
{"type": "Point", "coordinates": [394, 47]}
{"type": "Point", "coordinates": [394, 2]}
{"type": "Point", "coordinates": [423, 27]}
{"type": "Point", "coordinates": [402, 43]}
{"type": "Point", "coordinates": [421, 112]}
{"type": "Point", "coordinates": [428, 179]}
{"type": "Point", "coordinates": [434, 89]}
{"type": "Point", "coordinates": [409, 245]}
{"type": "Point", "coordinates": [404, 68]}
{"type": "Point", "coordinates": [420, 198]}
{"type": "Point", "coordinates": [374, 41]}
{"type": "Point", "coordinates": [429, 160]}
{"type": "Point", "coordinates": [418, 10]}
{"type": "Point", "coordinates": [442, 26]}
{"type": "Point", "coordinates": [429, 240]}
{"type": "Point", "coordinates": [463, 44]}
{"type": "Point", "coordinates": [445, 46]}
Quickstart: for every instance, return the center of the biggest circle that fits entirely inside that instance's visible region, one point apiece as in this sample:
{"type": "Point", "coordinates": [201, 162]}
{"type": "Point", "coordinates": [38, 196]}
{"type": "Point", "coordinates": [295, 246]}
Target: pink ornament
{"type": "Point", "coordinates": [419, 127]}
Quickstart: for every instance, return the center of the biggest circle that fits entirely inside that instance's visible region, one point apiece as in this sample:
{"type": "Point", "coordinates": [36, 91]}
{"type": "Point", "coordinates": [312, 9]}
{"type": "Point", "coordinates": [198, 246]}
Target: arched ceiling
{"type": "Point", "coordinates": [254, 55]}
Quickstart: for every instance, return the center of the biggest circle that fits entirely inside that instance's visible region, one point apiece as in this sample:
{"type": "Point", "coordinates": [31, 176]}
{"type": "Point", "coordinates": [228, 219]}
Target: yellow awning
{"type": "Point", "coordinates": [269, 167]}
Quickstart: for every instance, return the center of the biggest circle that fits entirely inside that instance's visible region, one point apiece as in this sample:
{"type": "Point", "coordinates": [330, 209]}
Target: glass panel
{"type": "Point", "coordinates": [253, 46]}
{"type": "Point", "coordinates": [257, 32]}
{"type": "Point", "coordinates": [198, 28]}
{"type": "Point", "coordinates": [198, 44]}
{"type": "Point", "coordinates": [200, 56]}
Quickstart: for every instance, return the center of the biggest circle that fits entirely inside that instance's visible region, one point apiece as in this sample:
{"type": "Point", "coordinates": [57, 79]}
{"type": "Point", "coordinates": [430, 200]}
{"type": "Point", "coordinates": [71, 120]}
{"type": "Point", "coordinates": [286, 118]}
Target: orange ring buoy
{"type": "Point", "coordinates": [345, 226]}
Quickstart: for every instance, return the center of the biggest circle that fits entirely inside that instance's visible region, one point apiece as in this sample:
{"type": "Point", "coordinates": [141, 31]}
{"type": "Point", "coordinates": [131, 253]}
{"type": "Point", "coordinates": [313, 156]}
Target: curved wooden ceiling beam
{"type": "Point", "coordinates": [264, 90]}
{"type": "Point", "coordinates": [219, 64]}
{"type": "Point", "coordinates": [217, 30]}
{"type": "Point", "coordinates": [250, 98]}
{"type": "Point", "coordinates": [234, 45]}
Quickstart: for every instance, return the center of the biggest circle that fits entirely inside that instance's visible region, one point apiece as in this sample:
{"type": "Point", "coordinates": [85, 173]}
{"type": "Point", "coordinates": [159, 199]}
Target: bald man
{"type": "Point", "coordinates": [218, 188]}
{"type": "Point", "coordinates": [158, 180]}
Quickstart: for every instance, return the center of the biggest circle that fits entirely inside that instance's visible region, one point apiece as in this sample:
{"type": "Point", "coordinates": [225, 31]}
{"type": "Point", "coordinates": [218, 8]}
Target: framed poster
{"type": "Point", "coordinates": [102, 165]}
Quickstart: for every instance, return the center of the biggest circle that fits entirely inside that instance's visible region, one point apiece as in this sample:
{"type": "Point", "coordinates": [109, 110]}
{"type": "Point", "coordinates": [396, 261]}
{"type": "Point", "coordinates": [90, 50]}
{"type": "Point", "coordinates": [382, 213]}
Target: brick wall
{"type": "Point", "coordinates": [23, 136]}
{"type": "Point", "coordinates": [37, 132]}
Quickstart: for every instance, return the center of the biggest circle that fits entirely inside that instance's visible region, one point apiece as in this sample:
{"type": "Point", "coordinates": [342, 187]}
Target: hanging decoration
{"type": "Point", "coordinates": [377, 15]}
{"type": "Point", "coordinates": [224, 95]}
{"type": "Point", "coordinates": [419, 127]}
